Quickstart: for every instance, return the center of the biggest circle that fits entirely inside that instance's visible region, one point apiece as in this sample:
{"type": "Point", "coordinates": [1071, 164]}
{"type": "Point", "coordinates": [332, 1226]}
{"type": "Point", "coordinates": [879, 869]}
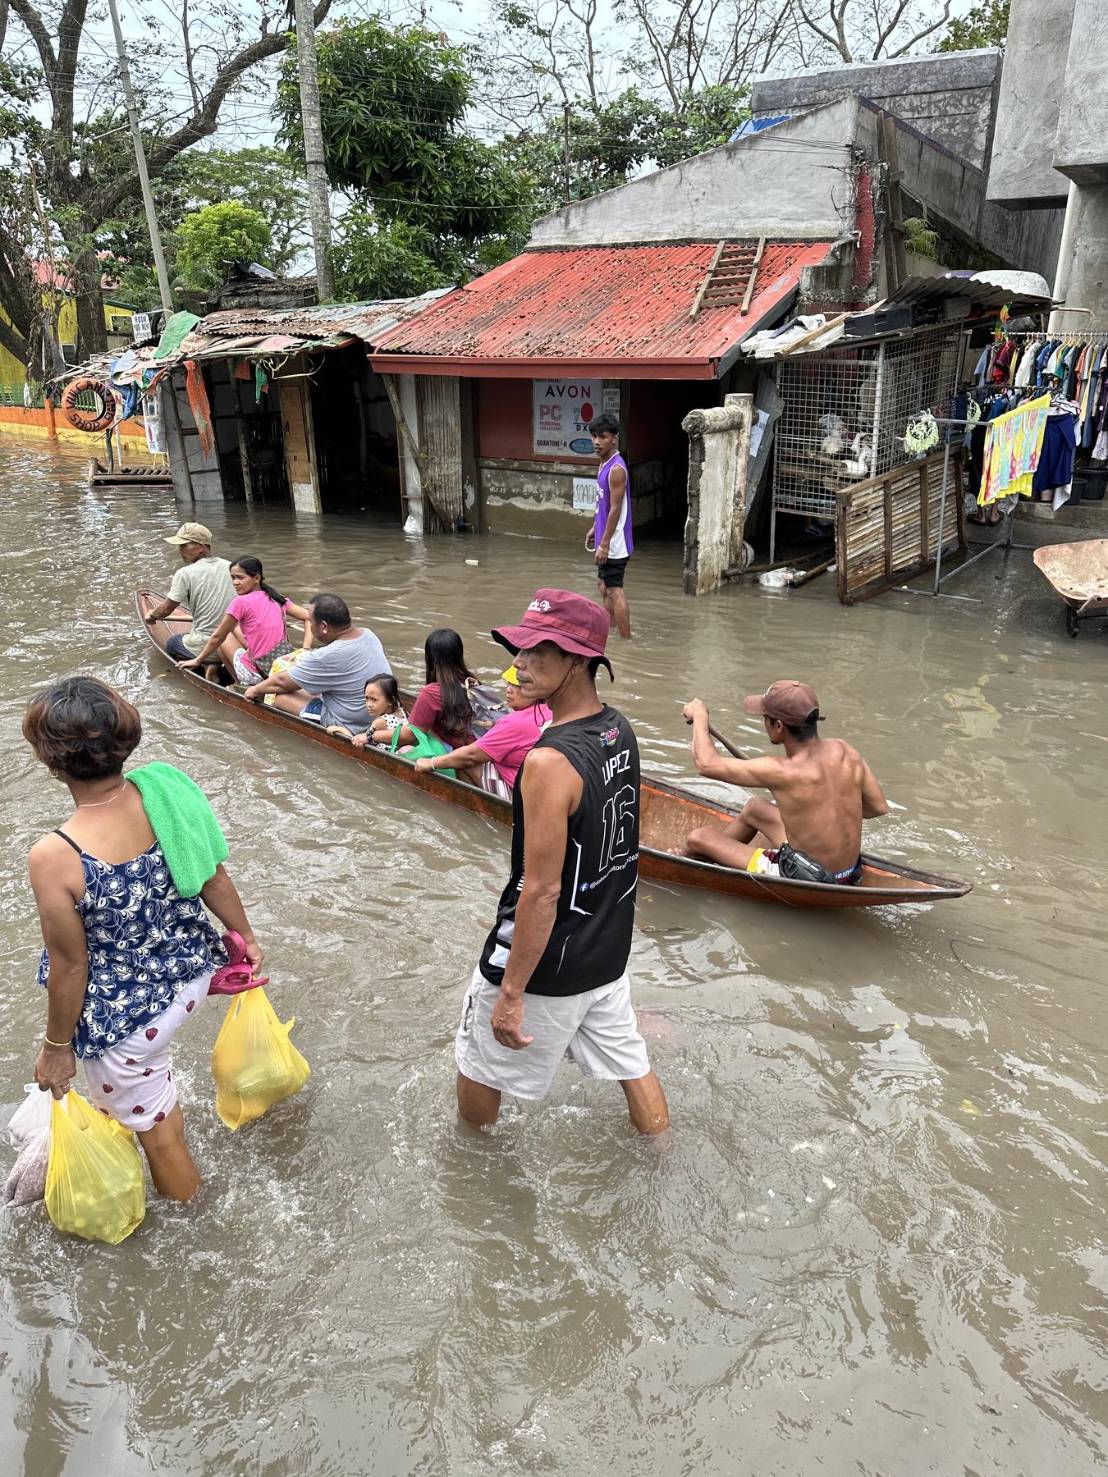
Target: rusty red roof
{"type": "Point", "coordinates": [597, 310]}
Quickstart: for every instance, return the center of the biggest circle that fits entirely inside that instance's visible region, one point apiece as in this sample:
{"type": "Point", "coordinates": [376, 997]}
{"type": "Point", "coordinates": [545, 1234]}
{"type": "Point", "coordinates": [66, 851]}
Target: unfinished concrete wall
{"type": "Point", "coordinates": [1021, 171]}
{"type": "Point", "coordinates": [1081, 146]}
{"type": "Point", "coordinates": [719, 463]}
{"type": "Point", "coordinates": [766, 185]}
{"type": "Point", "coordinates": [520, 496]}
{"type": "Point", "coordinates": [955, 192]}
{"type": "Point", "coordinates": [950, 98]}
{"type": "Point", "coordinates": [1086, 282]}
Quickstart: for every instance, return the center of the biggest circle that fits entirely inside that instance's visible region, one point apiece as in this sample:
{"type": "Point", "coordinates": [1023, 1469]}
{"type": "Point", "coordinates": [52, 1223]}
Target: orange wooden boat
{"type": "Point", "coordinates": [668, 813]}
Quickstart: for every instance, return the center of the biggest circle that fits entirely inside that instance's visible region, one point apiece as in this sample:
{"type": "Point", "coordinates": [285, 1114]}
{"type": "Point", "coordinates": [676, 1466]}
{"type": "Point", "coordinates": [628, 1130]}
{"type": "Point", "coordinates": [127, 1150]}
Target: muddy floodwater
{"type": "Point", "coordinates": [874, 1242]}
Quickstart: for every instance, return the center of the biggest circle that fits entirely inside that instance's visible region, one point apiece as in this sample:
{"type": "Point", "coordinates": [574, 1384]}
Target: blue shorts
{"type": "Point", "coordinates": [176, 648]}
{"type": "Point", "coordinates": [313, 712]}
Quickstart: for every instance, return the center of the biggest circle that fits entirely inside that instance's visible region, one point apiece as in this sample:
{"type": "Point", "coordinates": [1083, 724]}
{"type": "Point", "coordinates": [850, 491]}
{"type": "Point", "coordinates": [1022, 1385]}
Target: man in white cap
{"type": "Point", "coordinates": [203, 583]}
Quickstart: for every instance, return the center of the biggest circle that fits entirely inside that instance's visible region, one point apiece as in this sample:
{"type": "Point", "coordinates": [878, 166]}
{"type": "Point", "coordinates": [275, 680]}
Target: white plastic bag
{"type": "Point", "coordinates": [31, 1118]}
{"type": "Point", "coordinates": [29, 1131]}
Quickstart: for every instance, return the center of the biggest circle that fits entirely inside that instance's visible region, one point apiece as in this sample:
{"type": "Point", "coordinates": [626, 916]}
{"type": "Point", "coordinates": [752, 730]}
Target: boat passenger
{"type": "Point", "coordinates": [442, 707]}
{"type": "Point", "coordinates": [327, 684]}
{"type": "Point", "coordinates": [252, 634]}
{"type": "Point", "coordinates": [811, 831]}
{"type": "Point", "coordinates": [494, 761]}
{"type": "Point", "coordinates": [203, 584]}
{"type": "Point", "coordinates": [385, 712]}
{"type": "Point", "coordinates": [128, 955]}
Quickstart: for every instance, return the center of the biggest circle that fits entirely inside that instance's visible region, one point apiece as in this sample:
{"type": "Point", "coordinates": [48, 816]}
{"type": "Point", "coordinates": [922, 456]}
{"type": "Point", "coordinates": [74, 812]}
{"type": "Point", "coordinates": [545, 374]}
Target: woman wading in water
{"type": "Point", "coordinates": [128, 957]}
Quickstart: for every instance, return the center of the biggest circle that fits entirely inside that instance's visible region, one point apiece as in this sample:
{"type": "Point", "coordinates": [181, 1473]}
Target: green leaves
{"type": "Point", "coordinates": [209, 239]}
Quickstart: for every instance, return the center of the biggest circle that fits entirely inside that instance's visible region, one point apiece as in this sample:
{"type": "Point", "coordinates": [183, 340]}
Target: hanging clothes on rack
{"type": "Point", "coordinates": [1013, 444]}
{"type": "Point", "coordinates": [1053, 478]}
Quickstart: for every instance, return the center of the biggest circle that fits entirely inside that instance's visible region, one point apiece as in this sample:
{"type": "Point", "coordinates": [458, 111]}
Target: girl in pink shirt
{"type": "Point", "coordinates": [252, 634]}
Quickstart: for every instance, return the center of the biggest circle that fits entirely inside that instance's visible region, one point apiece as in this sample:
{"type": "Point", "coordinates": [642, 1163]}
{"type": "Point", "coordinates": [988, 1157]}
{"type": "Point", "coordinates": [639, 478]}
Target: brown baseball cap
{"type": "Point", "coordinates": [191, 533]}
{"type": "Point", "coordinates": [789, 702]}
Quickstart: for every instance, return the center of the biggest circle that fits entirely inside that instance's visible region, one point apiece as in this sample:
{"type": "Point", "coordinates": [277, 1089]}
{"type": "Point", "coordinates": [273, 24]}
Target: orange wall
{"type": "Point", "coordinates": [14, 419]}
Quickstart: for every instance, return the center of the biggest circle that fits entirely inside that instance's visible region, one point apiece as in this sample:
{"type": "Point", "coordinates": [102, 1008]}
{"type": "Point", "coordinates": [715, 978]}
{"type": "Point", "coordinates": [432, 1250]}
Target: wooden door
{"type": "Point", "coordinates": [300, 460]}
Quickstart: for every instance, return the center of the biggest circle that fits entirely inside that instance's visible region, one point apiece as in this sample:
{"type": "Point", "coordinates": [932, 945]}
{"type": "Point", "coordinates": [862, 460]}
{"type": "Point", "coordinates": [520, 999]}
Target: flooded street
{"type": "Point", "coordinates": [874, 1242]}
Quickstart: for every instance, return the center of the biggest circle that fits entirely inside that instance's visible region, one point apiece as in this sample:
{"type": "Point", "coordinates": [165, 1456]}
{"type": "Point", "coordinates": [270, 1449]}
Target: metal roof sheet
{"type": "Point", "coordinates": [990, 289]}
{"type": "Point", "coordinates": [617, 309]}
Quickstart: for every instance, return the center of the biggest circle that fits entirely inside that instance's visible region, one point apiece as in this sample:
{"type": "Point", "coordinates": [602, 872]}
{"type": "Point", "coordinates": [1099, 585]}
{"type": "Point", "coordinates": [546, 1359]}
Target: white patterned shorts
{"type": "Point", "coordinates": [133, 1082]}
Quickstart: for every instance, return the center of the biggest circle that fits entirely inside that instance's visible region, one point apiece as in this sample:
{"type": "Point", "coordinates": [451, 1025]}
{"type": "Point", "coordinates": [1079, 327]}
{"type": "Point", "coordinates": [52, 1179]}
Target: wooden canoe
{"type": "Point", "coordinates": [668, 813]}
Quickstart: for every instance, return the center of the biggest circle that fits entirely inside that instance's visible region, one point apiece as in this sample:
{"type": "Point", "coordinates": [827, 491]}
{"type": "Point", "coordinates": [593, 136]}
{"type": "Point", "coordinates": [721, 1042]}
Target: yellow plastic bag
{"type": "Point", "coordinates": [253, 1061]}
{"type": "Point", "coordinates": [94, 1181]}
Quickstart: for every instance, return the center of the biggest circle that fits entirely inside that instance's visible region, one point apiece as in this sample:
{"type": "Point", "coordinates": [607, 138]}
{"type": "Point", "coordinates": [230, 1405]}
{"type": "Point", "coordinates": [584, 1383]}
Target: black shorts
{"type": "Point", "coordinates": [610, 573]}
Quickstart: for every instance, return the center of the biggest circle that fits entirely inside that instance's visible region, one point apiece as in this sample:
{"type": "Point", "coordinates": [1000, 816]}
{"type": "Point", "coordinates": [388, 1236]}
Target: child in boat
{"type": "Point", "coordinates": [382, 701]}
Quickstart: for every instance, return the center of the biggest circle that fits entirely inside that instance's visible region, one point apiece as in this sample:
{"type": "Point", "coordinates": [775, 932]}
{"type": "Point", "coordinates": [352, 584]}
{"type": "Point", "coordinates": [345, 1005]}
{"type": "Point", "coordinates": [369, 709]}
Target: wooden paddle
{"type": "Point", "coordinates": [719, 738]}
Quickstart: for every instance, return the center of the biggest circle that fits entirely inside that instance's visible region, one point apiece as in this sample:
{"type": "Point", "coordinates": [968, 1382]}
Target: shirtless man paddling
{"type": "Point", "coordinates": [811, 831]}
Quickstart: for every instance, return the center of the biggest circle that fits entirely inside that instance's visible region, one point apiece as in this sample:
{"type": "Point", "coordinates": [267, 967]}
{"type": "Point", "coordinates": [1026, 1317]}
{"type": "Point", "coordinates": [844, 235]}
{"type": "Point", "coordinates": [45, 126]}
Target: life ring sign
{"type": "Point", "coordinates": [89, 405]}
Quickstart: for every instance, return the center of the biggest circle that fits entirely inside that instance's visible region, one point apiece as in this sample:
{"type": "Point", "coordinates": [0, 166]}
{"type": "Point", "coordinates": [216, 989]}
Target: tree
{"type": "Point", "coordinates": [266, 180]}
{"type": "Point", "coordinates": [984, 24]}
{"type": "Point", "coordinates": [429, 201]}
{"type": "Point", "coordinates": [85, 188]}
{"type": "Point", "coordinates": [868, 30]}
{"type": "Point", "coordinates": [609, 144]}
{"type": "Point", "coordinates": [209, 240]}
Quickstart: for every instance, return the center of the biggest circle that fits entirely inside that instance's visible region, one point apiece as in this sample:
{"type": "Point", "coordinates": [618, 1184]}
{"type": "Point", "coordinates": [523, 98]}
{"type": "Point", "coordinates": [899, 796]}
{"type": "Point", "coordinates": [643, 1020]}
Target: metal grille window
{"type": "Point", "coordinates": [845, 414]}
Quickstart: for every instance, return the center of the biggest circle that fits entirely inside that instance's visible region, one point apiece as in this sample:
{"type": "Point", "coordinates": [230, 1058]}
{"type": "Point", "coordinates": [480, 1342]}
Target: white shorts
{"type": "Point", "coordinates": [596, 1029]}
{"type": "Point", "coordinates": [133, 1082]}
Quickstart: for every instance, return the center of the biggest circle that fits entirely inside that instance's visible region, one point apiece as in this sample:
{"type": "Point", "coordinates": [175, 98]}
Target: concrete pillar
{"type": "Point", "coordinates": [719, 470]}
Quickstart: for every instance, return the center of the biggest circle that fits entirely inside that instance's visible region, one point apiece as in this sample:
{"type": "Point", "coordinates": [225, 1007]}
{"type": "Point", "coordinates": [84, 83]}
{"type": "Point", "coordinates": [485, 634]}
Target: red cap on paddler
{"type": "Point", "coordinates": [572, 622]}
{"type": "Point", "coordinates": [789, 702]}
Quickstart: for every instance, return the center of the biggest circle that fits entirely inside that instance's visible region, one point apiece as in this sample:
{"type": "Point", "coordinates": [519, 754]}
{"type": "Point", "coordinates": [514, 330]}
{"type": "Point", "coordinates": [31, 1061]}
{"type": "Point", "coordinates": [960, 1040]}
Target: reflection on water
{"type": "Point", "coordinates": [874, 1241]}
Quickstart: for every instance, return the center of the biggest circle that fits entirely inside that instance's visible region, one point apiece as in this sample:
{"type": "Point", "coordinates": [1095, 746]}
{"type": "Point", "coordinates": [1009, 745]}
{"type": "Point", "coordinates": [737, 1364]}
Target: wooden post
{"type": "Point", "coordinates": [51, 423]}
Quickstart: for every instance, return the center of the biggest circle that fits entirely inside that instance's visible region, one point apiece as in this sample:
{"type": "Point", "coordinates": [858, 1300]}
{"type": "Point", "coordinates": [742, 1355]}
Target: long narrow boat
{"type": "Point", "coordinates": [668, 813]}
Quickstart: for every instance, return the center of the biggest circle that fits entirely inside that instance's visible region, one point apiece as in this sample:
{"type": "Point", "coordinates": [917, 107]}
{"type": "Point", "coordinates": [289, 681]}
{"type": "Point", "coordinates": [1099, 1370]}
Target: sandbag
{"type": "Point", "coordinates": [94, 1182]}
{"type": "Point", "coordinates": [253, 1061]}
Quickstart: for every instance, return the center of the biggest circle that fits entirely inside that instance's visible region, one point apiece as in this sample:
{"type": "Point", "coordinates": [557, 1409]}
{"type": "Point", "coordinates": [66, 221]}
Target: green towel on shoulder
{"type": "Point", "coordinates": [183, 823]}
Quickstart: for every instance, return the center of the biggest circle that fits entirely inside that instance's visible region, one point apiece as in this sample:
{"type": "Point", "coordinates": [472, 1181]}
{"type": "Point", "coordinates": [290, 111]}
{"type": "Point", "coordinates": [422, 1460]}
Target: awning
{"type": "Point", "coordinates": [605, 312]}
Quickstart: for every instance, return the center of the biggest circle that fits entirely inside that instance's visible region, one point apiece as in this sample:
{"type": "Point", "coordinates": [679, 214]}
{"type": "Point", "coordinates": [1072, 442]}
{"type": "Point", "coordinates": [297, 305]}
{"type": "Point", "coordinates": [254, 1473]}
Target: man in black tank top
{"type": "Point", "coordinates": [553, 972]}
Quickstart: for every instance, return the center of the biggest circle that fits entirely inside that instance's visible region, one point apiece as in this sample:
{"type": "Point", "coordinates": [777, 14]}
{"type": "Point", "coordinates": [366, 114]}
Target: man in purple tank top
{"type": "Point", "coordinates": [612, 528]}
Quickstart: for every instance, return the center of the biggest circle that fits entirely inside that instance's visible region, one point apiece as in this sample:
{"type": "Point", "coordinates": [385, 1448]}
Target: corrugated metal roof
{"type": "Point", "coordinates": [329, 323]}
{"type": "Point", "coordinates": [990, 289]}
{"type": "Point", "coordinates": [600, 309]}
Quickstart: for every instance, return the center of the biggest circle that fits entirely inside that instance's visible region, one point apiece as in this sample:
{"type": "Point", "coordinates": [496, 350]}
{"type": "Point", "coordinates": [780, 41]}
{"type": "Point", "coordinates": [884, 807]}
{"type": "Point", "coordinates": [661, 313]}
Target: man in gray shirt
{"type": "Point", "coordinates": [203, 583]}
{"type": "Point", "coordinates": [327, 684]}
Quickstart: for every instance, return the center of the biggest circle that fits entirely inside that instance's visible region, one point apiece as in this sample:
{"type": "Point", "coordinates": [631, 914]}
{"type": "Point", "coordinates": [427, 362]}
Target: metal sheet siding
{"type": "Point", "coordinates": [596, 305]}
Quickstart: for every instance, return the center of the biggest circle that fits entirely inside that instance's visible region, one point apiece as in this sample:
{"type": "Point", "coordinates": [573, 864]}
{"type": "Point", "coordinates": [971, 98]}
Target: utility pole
{"type": "Point", "coordinates": [140, 163]}
{"type": "Point", "coordinates": [566, 158]}
{"type": "Point", "coordinates": [319, 204]}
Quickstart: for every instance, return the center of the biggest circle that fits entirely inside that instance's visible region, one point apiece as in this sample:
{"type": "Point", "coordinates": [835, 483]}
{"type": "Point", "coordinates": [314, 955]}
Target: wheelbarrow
{"type": "Point", "coordinates": [1079, 573]}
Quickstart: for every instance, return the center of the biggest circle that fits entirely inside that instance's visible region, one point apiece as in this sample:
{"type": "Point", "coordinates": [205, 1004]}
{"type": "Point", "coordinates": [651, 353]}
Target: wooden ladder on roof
{"type": "Point", "coordinates": [731, 275]}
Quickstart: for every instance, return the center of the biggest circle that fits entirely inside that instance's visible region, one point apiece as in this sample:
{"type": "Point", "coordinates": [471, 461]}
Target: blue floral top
{"type": "Point", "coordinates": [144, 942]}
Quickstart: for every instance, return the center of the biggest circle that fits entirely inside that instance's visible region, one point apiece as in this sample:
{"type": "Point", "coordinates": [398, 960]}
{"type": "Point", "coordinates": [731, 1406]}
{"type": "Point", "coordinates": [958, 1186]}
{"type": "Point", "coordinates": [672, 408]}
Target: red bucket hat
{"type": "Point", "coordinates": [572, 622]}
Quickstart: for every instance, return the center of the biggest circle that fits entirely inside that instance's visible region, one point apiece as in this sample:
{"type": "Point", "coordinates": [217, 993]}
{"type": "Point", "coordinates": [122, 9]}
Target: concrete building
{"type": "Point", "coordinates": [1050, 147]}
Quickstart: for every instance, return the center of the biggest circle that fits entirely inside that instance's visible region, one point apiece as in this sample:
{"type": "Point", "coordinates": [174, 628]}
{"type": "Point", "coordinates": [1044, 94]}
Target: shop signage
{"type": "Point", "coordinates": [584, 494]}
{"type": "Point", "coordinates": [562, 412]}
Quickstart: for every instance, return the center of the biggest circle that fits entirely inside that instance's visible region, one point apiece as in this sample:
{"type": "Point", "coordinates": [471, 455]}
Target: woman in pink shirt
{"type": "Point", "coordinates": [496, 760]}
{"type": "Point", "coordinates": [252, 634]}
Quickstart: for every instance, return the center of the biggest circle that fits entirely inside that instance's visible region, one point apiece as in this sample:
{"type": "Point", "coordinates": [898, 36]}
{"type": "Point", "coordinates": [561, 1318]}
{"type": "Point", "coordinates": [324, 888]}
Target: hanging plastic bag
{"type": "Point", "coordinates": [94, 1181]}
{"type": "Point", "coordinates": [31, 1118]}
{"type": "Point", "coordinates": [253, 1061]}
{"type": "Point", "coordinates": [29, 1131]}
